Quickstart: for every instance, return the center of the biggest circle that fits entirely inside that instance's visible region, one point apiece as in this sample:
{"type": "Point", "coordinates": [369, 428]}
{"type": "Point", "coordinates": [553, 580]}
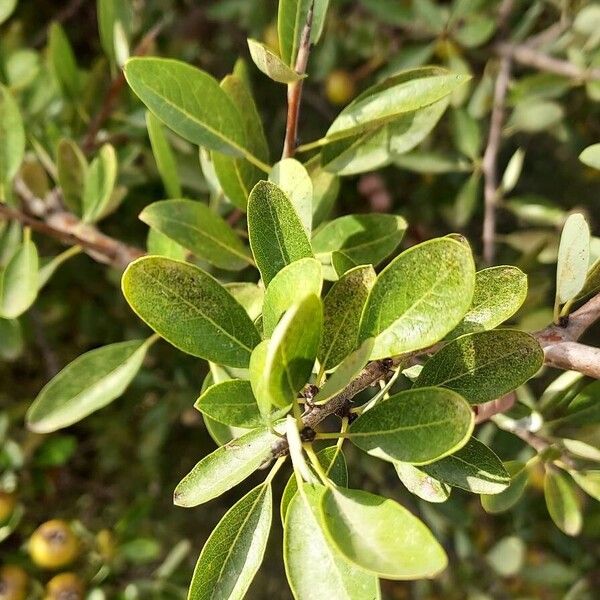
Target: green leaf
{"type": "Point", "coordinates": [402, 93]}
{"type": "Point", "coordinates": [379, 146]}
{"type": "Point", "coordinates": [11, 340]}
{"type": "Point", "coordinates": [348, 369]}
{"type": "Point", "coordinates": [19, 281]}
{"type": "Point", "coordinates": [99, 185]}
{"type": "Point", "coordinates": [513, 170]}
{"type": "Point", "coordinates": [465, 202]}
{"type": "Point", "coordinates": [238, 176]}
{"type": "Point", "coordinates": [164, 157]}
{"type": "Point", "coordinates": [474, 468]}
{"type": "Point", "coordinates": [231, 403]}
{"type": "Point", "coordinates": [203, 115]}
{"type": "Point", "coordinates": [466, 133]}
{"type": "Point", "coordinates": [270, 64]}
{"type": "Point", "coordinates": [573, 258]}
{"type": "Point", "coordinates": [12, 139]}
{"type": "Point", "coordinates": [72, 168]}
{"type": "Point", "coordinates": [507, 556]}
{"type": "Point", "coordinates": [51, 265]}
{"type": "Point", "coordinates": [225, 468]}
{"type": "Point", "coordinates": [89, 383]}
{"type": "Point", "coordinates": [295, 182]}
{"type": "Point", "coordinates": [159, 244]}
{"type": "Point", "coordinates": [63, 62]}
{"type": "Point", "coordinates": [591, 156]}
{"type": "Point", "coordinates": [421, 484]}
{"type": "Point", "coordinates": [281, 368]}
{"type": "Point", "coordinates": [319, 17]}
{"type": "Point", "coordinates": [190, 309]}
{"type": "Point", "coordinates": [313, 567]}
{"type": "Point", "coordinates": [419, 297]}
{"type": "Point", "coordinates": [380, 536]}
{"type": "Point", "coordinates": [291, 20]}
{"type": "Point", "coordinates": [293, 283]}
{"type": "Point", "coordinates": [200, 230]}
{"type": "Point", "coordinates": [235, 549]}
{"type": "Point", "coordinates": [497, 503]}
{"type": "Point", "coordinates": [499, 293]}
{"type": "Point", "coordinates": [592, 282]}
{"type": "Point", "coordinates": [588, 481]}
{"type": "Point", "coordinates": [277, 237]}
{"type": "Point", "coordinates": [6, 9]}
{"type": "Point", "coordinates": [484, 366]}
{"type": "Point", "coordinates": [584, 409]}
{"type": "Point", "coordinates": [342, 308]}
{"type": "Point", "coordinates": [414, 426]}
{"type": "Point", "coordinates": [112, 14]}
{"type": "Point", "coordinates": [364, 239]}
{"type": "Point", "coordinates": [334, 465]}
{"type": "Point", "coordinates": [562, 502]}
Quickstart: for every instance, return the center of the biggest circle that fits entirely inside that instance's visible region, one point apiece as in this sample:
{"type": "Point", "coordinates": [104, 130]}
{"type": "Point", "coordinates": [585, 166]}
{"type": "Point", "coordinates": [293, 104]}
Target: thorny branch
{"type": "Point", "coordinates": [295, 89]}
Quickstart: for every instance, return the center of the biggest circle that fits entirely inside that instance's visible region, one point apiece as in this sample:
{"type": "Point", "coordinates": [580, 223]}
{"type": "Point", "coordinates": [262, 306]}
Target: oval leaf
{"type": "Point", "coordinates": [381, 536]}
{"type": "Point", "coordinates": [163, 155]}
{"type": "Point", "coordinates": [270, 64]}
{"type": "Point", "coordinates": [497, 503]}
{"type": "Point", "coordinates": [86, 385]}
{"type": "Point", "coordinates": [19, 281]}
{"type": "Point", "coordinates": [419, 297]}
{"type": "Point", "coordinates": [190, 309]}
{"type": "Point", "coordinates": [12, 139]}
{"type": "Point", "coordinates": [414, 426]}
{"type": "Point", "coordinates": [421, 484]}
{"type": "Point", "coordinates": [573, 258]}
{"type": "Point", "coordinates": [562, 502]}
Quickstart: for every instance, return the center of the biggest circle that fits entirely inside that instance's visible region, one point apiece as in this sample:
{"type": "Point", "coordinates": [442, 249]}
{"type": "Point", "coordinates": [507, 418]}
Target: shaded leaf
{"type": "Point", "coordinates": [422, 484]}
{"type": "Point", "coordinates": [164, 157]}
{"type": "Point", "coordinates": [99, 184]}
{"type": "Point", "coordinates": [573, 258]}
{"type": "Point", "coordinates": [497, 503]}
{"type": "Point", "coordinates": [562, 502]}
{"type": "Point", "coordinates": [588, 481]}
{"type": "Point", "coordinates": [12, 139]}
{"type": "Point", "coordinates": [63, 62]}
{"type": "Point", "coordinates": [19, 281]}
{"type": "Point", "coordinates": [72, 170]}
{"type": "Point", "coordinates": [190, 309]}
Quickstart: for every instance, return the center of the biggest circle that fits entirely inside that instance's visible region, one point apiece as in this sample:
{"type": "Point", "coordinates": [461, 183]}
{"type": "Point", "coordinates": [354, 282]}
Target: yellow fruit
{"type": "Point", "coordinates": [340, 87]}
{"type": "Point", "coordinates": [13, 583]}
{"type": "Point", "coordinates": [271, 37]}
{"type": "Point", "coordinates": [106, 544]}
{"type": "Point", "coordinates": [7, 505]}
{"type": "Point", "coordinates": [65, 586]}
{"type": "Point", "coordinates": [53, 545]}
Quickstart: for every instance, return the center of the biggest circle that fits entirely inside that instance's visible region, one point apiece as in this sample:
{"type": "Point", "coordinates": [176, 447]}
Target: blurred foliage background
{"type": "Point", "coordinates": [112, 475]}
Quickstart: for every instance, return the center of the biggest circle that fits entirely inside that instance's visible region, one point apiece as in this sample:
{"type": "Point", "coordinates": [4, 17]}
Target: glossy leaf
{"type": "Point", "coordinates": [573, 258]}
{"type": "Point", "coordinates": [269, 63]}
{"type": "Point", "coordinates": [234, 551]}
{"type": "Point", "coordinates": [225, 468]}
{"type": "Point", "coordinates": [277, 237]}
{"type": "Point", "coordinates": [484, 366]}
{"type": "Point", "coordinates": [190, 309]}
{"type": "Point", "coordinates": [497, 503]}
{"type": "Point", "coordinates": [499, 293]}
{"type": "Point", "coordinates": [294, 282]}
{"type": "Point", "coordinates": [231, 403]}
{"type": "Point", "coordinates": [19, 281]}
{"type": "Point", "coordinates": [380, 536]}
{"type": "Point", "coordinates": [421, 484]}
{"type": "Point", "coordinates": [280, 369]}
{"type": "Point", "coordinates": [72, 170]}
{"type": "Point", "coordinates": [203, 115]}
{"type": "Point", "coordinates": [414, 426]}
{"type": "Point", "coordinates": [200, 230]}
{"type": "Point", "coordinates": [291, 19]}
{"type": "Point", "coordinates": [294, 180]}
{"type": "Point", "coordinates": [99, 185]}
{"type": "Point", "coordinates": [12, 139]}
{"type": "Point", "coordinates": [313, 567]}
{"type": "Point", "coordinates": [343, 306]}
{"type": "Point", "coordinates": [562, 502]}
{"type": "Point", "coordinates": [334, 465]}
{"type": "Point", "coordinates": [403, 93]}
{"type": "Point", "coordinates": [89, 383]}
{"type": "Point", "coordinates": [237, 176]}
{"type": "Point", "coordinates": [419, 297]}
{"type": "Point", "coordinates": [474, 468]}
{"type": "Point", "coordinates": [164, 157]}
{"type": "Point", "coordinates": [364, 239]}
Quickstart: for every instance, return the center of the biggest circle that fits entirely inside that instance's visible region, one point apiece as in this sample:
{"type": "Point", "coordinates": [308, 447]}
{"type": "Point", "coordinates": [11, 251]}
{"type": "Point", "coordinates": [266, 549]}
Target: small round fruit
{"type": "Point", "coordinates": [13, 583]}
{"type": "Point", "coordinates": [53, 545]}
{"type": "Point", "coordinates": [65, 586]}
{"type": "Point", "coordinates": [7, 506]}
{"type": "Point", "coordinates": [340, 87]}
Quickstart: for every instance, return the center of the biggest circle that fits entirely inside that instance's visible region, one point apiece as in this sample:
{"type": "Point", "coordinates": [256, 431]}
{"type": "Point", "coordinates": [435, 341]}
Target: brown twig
{"type": "Point", "coordinates": [295, 89]}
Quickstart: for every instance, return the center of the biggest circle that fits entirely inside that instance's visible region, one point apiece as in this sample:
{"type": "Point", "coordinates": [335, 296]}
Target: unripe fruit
{"type": "Point", "coordinates": [271, 37]}
{"type": "Point", "coordinates": [7, 506]}
{"type": "Point", "coordinates": [65, 586]}
{"type": "Point", "coordinates": [13, 583]}
{"type": "Point", "coordinates": [339, 87]}
{"type": "Point", "coordinates": [53, 545]}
